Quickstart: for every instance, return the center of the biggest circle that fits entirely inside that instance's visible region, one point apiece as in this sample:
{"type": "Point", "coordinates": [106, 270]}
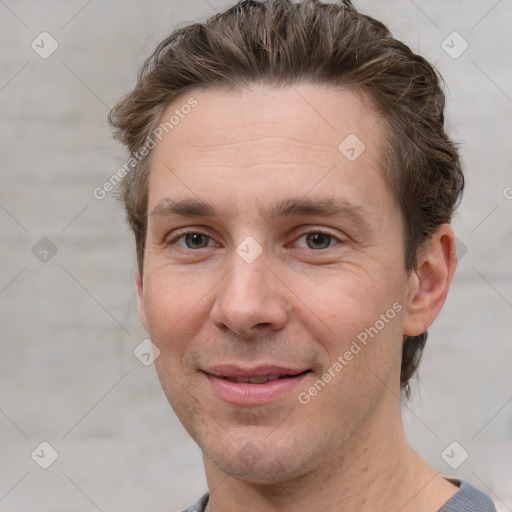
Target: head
{"type": "Point", "coordinates": [267, 85]}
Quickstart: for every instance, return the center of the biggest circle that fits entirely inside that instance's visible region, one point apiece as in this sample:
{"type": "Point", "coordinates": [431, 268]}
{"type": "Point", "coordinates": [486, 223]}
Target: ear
{"type": "Point", "coordinates": [430, 281]}
{"type": "Point", "coordinates": [140, 296]}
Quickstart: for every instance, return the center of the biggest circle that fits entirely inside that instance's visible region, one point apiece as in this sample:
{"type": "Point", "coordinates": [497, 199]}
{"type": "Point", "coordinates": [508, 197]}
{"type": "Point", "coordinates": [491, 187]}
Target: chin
{"type": "Point", "coordinates": [267, 470]}
{"type": "Point", "coordinates": [261, 461]}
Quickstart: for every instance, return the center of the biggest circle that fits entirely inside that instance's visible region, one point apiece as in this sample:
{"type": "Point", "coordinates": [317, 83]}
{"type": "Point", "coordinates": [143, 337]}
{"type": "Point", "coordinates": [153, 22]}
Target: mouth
{"type": "Point", "coordinates": [253, 386]}
{"type": "Point", "coordinates": [263, 379]}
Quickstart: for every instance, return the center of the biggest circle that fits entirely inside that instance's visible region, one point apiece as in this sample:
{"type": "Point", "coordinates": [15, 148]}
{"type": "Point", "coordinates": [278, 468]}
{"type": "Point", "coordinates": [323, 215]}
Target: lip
{"type": "Point", "coordinates": [229, 370]}
{"type": "Point", "coordinates": [253, 394]}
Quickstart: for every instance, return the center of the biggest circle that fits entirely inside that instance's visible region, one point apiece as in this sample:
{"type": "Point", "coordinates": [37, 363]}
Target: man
{"type": "Point", "coordinates": [290, 190]}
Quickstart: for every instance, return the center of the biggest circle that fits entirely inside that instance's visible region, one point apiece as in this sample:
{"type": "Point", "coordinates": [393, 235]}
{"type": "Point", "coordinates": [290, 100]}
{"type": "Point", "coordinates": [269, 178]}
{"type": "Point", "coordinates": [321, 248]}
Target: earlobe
{"type": "Point", "coordinates": [140, 300]}
{"type": "Point", "coordinates": [430, 281]}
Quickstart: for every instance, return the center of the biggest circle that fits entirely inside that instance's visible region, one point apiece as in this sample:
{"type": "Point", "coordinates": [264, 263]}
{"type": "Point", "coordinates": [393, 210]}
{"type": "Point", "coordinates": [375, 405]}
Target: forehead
{"type": "Point", "coordinates": [286, 136]}
{"type": "Point", "coordinates": [309, 115]}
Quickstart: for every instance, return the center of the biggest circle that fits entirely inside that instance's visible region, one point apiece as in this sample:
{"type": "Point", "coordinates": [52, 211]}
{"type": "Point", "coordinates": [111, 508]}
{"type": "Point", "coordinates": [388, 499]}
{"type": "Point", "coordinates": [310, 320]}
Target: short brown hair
{"type": "Point", "coordinates": [280, 42]}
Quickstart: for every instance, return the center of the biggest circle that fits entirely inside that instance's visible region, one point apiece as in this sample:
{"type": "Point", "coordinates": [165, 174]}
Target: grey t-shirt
{"type": "Point", "coordinates": [468, 499]}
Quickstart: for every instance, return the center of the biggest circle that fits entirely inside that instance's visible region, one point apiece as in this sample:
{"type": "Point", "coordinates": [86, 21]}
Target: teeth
{"type": "Point", "coordinates": [258, 380]}
{"type": "Point", "coordinates": [253, 380]}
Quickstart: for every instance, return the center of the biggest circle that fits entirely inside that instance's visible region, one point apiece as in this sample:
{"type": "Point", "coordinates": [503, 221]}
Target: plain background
{"type": "Point", "coordinates": [68, 375]}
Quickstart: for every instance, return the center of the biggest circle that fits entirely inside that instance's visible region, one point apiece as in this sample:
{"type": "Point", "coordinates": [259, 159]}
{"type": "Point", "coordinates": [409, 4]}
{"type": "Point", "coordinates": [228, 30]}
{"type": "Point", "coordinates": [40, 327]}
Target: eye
{"type": "Point", "coordinates": [192, 240]}
{"type": "Point", "coordinates": [317, 240]}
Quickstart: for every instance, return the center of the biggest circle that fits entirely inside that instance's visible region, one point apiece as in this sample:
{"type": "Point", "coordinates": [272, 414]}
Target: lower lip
{"type": "Point", "coordinates": [253, 394]}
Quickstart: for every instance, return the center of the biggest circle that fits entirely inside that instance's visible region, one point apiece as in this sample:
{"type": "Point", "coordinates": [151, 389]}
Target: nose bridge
{"type": "Point", "coordinates": [248, 296]}
{"type": "Point", "coordinates": [247, 281]}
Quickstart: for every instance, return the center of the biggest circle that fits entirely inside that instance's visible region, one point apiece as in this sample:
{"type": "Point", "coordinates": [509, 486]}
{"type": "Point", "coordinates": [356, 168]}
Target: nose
{"type": "Point", "coordinates": [251, 299]}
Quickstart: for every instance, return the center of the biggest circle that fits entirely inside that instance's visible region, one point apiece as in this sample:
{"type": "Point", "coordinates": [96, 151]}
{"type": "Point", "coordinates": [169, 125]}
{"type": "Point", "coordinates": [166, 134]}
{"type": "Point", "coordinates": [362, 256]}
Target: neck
{"type": "Point", "coordinates": [370, 472]}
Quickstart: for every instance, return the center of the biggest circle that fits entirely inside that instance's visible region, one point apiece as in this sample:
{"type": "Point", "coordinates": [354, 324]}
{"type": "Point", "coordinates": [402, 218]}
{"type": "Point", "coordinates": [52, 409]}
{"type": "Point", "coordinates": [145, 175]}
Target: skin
{"type": "Point", "coordinates": [301, 302]}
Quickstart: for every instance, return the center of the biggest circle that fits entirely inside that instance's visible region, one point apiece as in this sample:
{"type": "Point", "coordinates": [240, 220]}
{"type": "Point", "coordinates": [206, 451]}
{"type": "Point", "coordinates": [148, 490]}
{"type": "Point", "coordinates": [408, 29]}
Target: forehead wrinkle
{"type": "Point", "coordinates": [198, 158]}
{"type": "Point", "coordinates": [246, 166]}
{"type": "Point", "coordinates": [244, 147]}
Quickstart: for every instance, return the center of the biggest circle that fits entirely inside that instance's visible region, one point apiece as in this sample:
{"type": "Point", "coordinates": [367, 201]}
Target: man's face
{"type": "Point", "coordinates": [272, 282]}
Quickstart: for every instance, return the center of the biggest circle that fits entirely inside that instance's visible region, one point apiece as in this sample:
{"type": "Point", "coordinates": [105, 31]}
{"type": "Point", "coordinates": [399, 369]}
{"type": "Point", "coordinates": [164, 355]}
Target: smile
{"type": "Point", "coordinates": [257, 380]}
{"type": "Point", "coordinates": [253, 386]}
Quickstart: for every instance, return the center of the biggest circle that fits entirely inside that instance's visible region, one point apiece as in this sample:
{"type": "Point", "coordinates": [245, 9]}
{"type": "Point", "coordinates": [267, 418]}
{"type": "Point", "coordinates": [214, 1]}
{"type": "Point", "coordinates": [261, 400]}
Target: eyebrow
{"type": "Point", "coordinates": [290, 207]}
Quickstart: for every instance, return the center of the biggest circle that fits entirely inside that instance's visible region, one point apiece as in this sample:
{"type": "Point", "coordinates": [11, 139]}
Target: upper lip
{"type": "Point", "coordinates": [228, 370]}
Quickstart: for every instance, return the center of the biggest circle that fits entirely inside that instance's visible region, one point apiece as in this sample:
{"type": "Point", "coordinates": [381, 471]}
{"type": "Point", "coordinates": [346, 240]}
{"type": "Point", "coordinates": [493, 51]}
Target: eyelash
{"type": "Point", "coordinates": [305, 233]}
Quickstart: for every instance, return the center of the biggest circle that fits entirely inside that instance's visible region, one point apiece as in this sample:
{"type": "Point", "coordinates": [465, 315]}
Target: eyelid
{"type": "Point", "coordinates": [186, 231]}
{"type": "Point", "coordinates": [322, 232]}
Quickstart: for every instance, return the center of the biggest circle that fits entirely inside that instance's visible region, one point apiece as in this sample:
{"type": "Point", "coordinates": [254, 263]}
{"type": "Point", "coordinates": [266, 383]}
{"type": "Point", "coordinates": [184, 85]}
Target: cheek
{"type": "Point", "coordinates": [170, 302]}
{"type": "Point", "coordinates": [349, 300]}
{"type": "Point", "coordinates": [174, 312]}
{"type": "Point", "coordinates": [361, 319]}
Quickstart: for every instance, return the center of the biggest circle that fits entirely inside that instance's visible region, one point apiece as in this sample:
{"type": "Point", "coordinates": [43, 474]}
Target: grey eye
{"type": "Point", "coordinates": [318, 240]}
{"type": "Point", "coordinates": [195, 240]}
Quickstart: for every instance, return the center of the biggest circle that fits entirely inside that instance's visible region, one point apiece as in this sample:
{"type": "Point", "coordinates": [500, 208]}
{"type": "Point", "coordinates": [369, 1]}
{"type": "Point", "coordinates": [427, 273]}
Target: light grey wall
{"type": "Point", "coordinates": [68, 375]}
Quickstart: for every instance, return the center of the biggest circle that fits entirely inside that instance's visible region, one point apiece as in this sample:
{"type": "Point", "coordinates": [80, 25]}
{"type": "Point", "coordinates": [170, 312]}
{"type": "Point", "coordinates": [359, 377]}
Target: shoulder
{"type": "Point", "coordinates": [469, 499]}
{"type": "Point", "coordinates": [200, 505]}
